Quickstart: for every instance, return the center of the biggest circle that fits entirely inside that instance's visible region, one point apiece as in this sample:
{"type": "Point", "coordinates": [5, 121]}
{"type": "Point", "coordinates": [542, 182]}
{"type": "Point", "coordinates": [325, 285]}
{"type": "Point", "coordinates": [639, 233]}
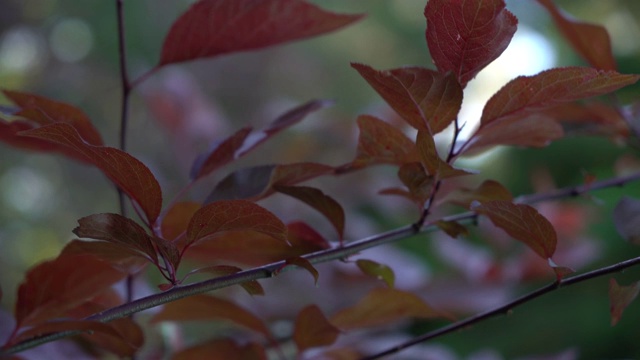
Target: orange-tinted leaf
{"type": "Point", "coordinates": [46, 111]}
{"type": "Point", "coordinates": [177, 219]}
{"type": "Point", "coordinates": [590, 41]}
{"type": "Point", "coordinates": [620, 297]}
{"type": "Point", "coordinates": [215, 27]}
{"type": "Point", "coordinates": [257, 182]}
{"type": "Point", "coordinates": [114, 340]}
{"type": "Point", "coordinates": [55, 286]}
{"type": "Point", "coordinates": [130, 339]}
{"type": "Point", "coordinates": [312, 329]}
{"type": "Point", "coordinates": [419, 183]}
{"type": "Point", "coordinates": [381, 143]}
{"type": "Point", "coordinates": [230, 215]}
{"type": "Point", "coordinates": [383, 306]}
{"type": "Point", "coordinates": [626, 218]}
{"type": "Point", "coordinates": [533, 131]}
{"type": "Point", "coordinates": [318, 200]}
{"type": "Point", "coordinates": [207, 308]}
{"type": "Point", "coordinates": [123, 258]}
{"type": "Point", "coordinates": [523, 223]}
{"type": "Point", "coordinates": [302, 263]}
{"type": "Point", "coordinates": [252, 287]}
{"type": "Point", "coordinates": [118, 230]}
{"type": "Point", "coordinates": [428, 152]}
{"type": "Point", "coordinates": [426, 99]}
{"type": "Point", "coordinates": [377, 270]}
{"type": "Point", "coordinates": [550, 87]}
{"type": "Point", "coordinates": [465, 36]}
{"type": "Point", "coordinates": [489, 190]}
{"type": "Point", "coordinates": [244, 140]}
{"type": "Point", "coordinates": [222, 349]}
{"type": "Point", "coordinates": [452, 228]}
{"type": "Point", "coordinates": [131, 175]}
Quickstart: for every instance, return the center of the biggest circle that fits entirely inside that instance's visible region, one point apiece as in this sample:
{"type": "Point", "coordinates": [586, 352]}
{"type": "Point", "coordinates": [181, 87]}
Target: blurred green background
{"type": "Point", "coordinates": [67, 50]}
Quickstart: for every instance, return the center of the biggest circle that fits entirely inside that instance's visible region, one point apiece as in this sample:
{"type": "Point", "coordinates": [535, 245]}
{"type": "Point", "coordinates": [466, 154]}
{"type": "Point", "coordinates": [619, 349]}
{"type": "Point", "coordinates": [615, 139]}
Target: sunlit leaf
{"type": "Point", "coordinates": [383, 306]}
{"type": "Point", "coordinates": [215, 27]}
{"type": "Point", "coordinates": [382, 143]}
{"type": "Point", "coordinates": [116, 229]}
{"type": "Point", "coordinates": [55, 286]}
{"type": "Point", "coordinates": [589, 40]}
{"type": "Point", "coordinates": [426, 99]}
{"type": "Point", "coordinates": [207, 308]}
{"type": "Point", "coordinates": [301, 263]}
{"type": "Point", "coordinates": [46, 111]}
{"type": "Point", "coordinates": [465, 36]}
{"type": "Point", "coordinates": [550, 87]}
{"type": "Point", "coordinates": [312, 329]}
{"type": "Point", "coordinates": [626, 218]}
{"type": "Point", "coordinates": [177, 219]}
{"type": "Point", "coordinates": [487, 191]}
{"type": "Point", "coordinates": [377, 270]}
{"type": "Point", "coordinates": [222, 349]}
{"type": "Point", "coordinates": [523, 223]}
{"type": "Point", "coordinates": [230, 215]}
{"type": "Point", "coordinates": [318, 200]}
{"type": "Point", "coordinates": [620, 297]}
{"type": "Point", "coordinates": [252, 287]}
{"type": "Point", "coordinates": [131, 175]}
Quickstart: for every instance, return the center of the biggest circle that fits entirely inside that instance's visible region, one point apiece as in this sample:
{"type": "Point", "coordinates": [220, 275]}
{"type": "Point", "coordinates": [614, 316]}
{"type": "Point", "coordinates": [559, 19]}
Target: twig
{"type": "Point", "coordinates": [503, 309]}
{"type": "Point", "coordinates": [347, 250]}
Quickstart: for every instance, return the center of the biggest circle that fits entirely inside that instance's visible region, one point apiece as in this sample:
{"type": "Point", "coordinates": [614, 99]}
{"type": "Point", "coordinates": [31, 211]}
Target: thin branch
{"type": "Point", "coordinates": [503, 309]}
{"type": "Point", "coordinates": [345, 251]}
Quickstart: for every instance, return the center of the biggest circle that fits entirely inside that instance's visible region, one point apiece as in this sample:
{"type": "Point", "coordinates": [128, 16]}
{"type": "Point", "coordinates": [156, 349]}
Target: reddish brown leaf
{"type": "Point", "coordinates": [417, 181]}
{"type": "Point", "coordinates": [222, 349]}
{"type": "Point", "coordinates": [487, 191]}
{"type": "Point", "coordinates": [591, 119]}
{"type": "Point", "coordinates": [383, 306]}
{"type": "Point", "coordinates": [465, 36]}
{"type": "Point", "coordinates": [169, 252]}
{"type": "Point", "coordinates": [177, 219]}
{"type": "Point", "coordinates": [257, 182]}
{"type": "Point", "coordinates": [53, 287]}
{"type": "Point", "coordinates": [215, 27]}
{"type": "Point", "coordinates": [426, 99]}
{"type": "Point", "coordinates": [123, 258]}
{"type": "Point", "coordinates": [230, 215]}
{"type": "Point", "coordinates": [302, 236]}
{"type": "Point", "coordinates": [523, 223]}
{"type": "Point", "coordinates": [118, 230]}
{"type": "Point", "coordinates": [131, 175]}
{"type": "Point", "coordinates": [252, 287]}
{"type": "Point", "coordinates": [381, 143]}
{"type": "Point", "coordinates": [428, 153]}
{"type": "Point", "coordinates": [560, 271]}
{"type": "Point", "coordinates": [590, 41]}
{"type": "Point", "coordinates": [46, 111]}
{"type": "Point", "coordinates": [312, 329]}
{"type": "Point", "coordinates": [301, 263]}
{"type": "Point", "coordinates": [219, 154]}
{"type": "Point", "coordinates": [318, 200]}
{"type": "Point", "coordinates": [452, 228]}
{"type": "Point", "coordinates": [620, 297]}
{"type": "Point", "coordinates": [207, 308]}
{"type": "Point", "coordinates": [528, 93]}
{"type": "Point", "coordinates": [377, 270]}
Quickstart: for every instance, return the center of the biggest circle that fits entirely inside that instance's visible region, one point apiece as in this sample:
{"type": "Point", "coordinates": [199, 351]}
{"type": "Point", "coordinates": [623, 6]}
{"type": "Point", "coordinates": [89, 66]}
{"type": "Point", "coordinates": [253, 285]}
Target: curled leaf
{"type": "Point", "coordinates": [301, 263]}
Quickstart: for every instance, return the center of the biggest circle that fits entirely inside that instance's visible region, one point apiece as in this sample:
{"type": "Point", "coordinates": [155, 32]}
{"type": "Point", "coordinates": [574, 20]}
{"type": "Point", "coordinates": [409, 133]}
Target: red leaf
{"type": "Point", "coordinates": [123, 258]}
{"type": "Point", "coordinates": [417, 181]}
{"type": "Point", "coordinates": [377, 270]}
{"type": "Point", "coordinates": [465, 36]}
{"type": "Point", "coordinates": [252, 287]}
{"type": "Point", "coordinates": [53, 287]}
{"type": "Point", "coordinates": [620, 297]}
{"type": "Point", "coordinates": [426, 99]}
{"type": "Point", "coordinates": [381, 143]}
{"type": "Point", "coordinates": [318, 200]}
{"type": "Point", "coordinates": [523, 223]}
{"type": "Point", "coordinates": [131, 175]}
{"type": "Point", "coordinates": [222, 349]}
{"type": "Point", "coordinates": [302, 236]}
{"type": "Point", "coordinates": [206, 308]}
{"type": "Point", "coordinates": [489, 190]}
{"type": "Point", "coordinates": [301, 263]}
{"type": "Point", "coordinates": [177, 219]}
{"type": "Point", "coordinates": [46, 111]}
{"type": "Point", "coordinates": [528, 93]}
{"type": "Point", "coordinates": [244, 140]}
{"type": "Point", "coordinates": [590, 41]}
{"type": "Point", "coordinates": [215, 27]}
{"type": "Point", "coordinates": [383, 306]}
{"type": "Point", "coordinates": [229, 215]}
{"type": "Point", "coordinates": [312, 329]}
{"type": "Point", "coordinates": [119, 230]}
{"type": "Point", "coordinates": [257, 182]}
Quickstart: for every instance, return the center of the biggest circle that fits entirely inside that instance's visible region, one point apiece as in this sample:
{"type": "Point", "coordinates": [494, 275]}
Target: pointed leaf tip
{"type": "Point", "coordinates": [620, 297]}
{"type": "Point", "coordinates": [312, 329]}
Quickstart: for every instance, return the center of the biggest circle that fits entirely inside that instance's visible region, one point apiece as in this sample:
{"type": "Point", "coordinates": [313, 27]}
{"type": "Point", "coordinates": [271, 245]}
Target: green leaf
{"type": "Point", "coordinates": [377, 270]}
